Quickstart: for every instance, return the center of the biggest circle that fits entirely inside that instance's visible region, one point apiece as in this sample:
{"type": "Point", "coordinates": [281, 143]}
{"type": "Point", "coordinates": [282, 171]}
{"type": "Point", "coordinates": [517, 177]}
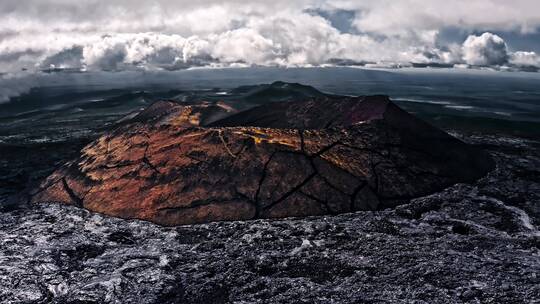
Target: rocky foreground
{"type": "Point", "coordinates": [471, 243]}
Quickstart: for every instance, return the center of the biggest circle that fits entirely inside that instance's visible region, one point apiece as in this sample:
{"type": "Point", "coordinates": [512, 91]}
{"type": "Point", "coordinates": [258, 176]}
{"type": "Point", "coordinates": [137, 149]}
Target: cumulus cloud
{"type": "Point", "coordinates": [485, 50]}
{"type": "Point", "coordinates": [525, 59]}
{"type": "Point", "coordinates": [116, 35]}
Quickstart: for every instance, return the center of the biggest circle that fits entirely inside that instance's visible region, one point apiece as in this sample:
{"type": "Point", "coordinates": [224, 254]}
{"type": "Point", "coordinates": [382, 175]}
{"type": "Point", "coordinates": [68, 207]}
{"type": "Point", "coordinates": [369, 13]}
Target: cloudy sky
{"type": "Point", "coordinates": [113, 35]}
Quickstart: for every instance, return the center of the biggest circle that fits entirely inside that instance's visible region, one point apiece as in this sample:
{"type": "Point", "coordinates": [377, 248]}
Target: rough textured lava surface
{"type": "Point", "coordinates": [198, 162]}
{"type": "Point", "coordinates": [470, 243]}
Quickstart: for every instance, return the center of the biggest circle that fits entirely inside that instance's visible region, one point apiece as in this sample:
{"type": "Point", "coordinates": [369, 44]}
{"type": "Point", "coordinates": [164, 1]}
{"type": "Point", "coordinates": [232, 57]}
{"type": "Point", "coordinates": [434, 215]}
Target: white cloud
{"type": "Point", "coordinates": [167, 34]}
{"type": "Point", "coordinates": [525, 59]}
{"type": "Point", "coordinates": [485, 50]}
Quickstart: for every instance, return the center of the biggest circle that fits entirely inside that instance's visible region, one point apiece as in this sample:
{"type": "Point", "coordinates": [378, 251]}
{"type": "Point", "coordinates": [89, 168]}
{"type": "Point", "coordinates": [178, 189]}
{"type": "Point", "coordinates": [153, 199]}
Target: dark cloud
{"type": "Point", "coordinates": [71, 58]}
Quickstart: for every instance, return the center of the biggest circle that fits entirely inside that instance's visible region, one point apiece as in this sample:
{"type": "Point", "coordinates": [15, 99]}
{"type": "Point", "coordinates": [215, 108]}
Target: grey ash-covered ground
{"type": "Point", "coordinates": [474, 243]}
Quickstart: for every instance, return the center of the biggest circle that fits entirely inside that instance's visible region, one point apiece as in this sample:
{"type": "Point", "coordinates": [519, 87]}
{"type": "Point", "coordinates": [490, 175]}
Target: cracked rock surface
{"type": "Point", "coordinates": [470, 243]}
{"type": "Point", "coordinates": [177, 164]}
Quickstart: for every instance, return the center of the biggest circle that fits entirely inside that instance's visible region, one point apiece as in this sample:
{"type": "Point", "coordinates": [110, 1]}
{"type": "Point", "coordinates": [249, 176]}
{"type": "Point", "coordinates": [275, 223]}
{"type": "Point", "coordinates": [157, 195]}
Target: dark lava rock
{"type": "Point", "coordinates": [470, 243]}
{"type": "Point", "coordinates": [275, 92]}
{"type": "Point", "coordinates": [179, 164]}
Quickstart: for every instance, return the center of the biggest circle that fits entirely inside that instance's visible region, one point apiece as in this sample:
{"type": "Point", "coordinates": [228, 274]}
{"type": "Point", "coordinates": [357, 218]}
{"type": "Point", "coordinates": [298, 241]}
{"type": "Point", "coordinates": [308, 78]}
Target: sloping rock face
{"type": "Point", "coordinates": [175, 164]}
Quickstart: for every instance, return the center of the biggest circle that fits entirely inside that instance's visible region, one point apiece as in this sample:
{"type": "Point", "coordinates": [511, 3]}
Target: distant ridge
{"type": "Point", "coordinates": [276, 91]}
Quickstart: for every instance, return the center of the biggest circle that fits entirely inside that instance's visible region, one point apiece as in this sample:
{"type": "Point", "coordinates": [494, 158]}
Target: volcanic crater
{"type": "Point", "coordinates": [191, 162]}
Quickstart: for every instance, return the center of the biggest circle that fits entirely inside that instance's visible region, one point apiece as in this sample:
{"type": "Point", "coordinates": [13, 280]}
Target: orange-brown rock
{"type": "Point", "coordinates": [175, 164]}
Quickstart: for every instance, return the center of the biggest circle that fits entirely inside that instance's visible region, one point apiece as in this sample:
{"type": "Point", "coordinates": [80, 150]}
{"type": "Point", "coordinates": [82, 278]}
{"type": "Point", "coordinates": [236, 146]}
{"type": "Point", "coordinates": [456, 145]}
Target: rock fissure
{"type": "Point", "coordinates": [292, 191]}
{"type": "Point", "coordinates": [147, 162]}
{"type": "Point", "coordinates": [355, 193]}
{"type": "Point", "coordinates": [302, 141]}
{"type": "Point", "coordinates": [74, 197]}
{"type": "Point", "coordinates": [324, 203]}
{"type": "Point", "coordinates": [261, 181]}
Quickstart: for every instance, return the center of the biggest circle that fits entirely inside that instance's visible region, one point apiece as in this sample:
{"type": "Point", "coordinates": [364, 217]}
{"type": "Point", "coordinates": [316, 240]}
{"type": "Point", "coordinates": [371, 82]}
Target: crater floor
{"type": "Point", "coordinates": [475, 243]}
